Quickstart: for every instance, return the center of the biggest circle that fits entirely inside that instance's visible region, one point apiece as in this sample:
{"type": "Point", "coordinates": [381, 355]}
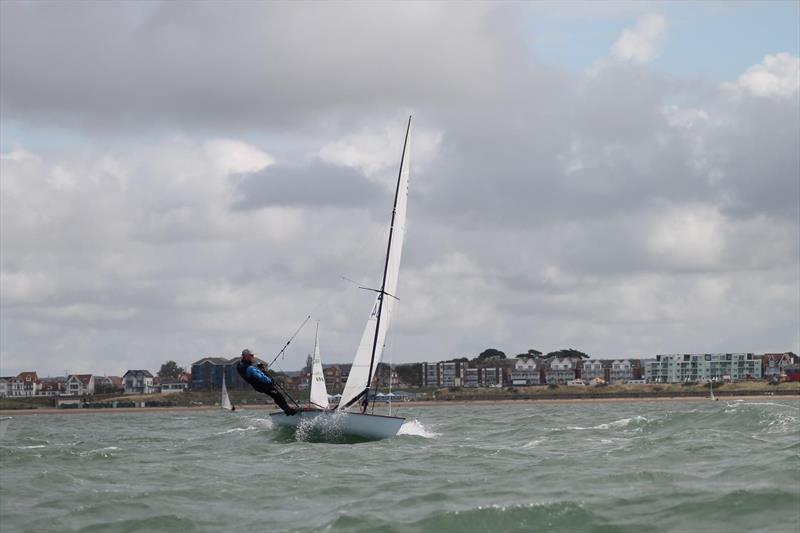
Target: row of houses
{"type": "Point", "coordinates": [208, 373]}
{"type": "Point", "coordinates": [672, 368]}
{"type": "Point", "coordinates": [528, 371]}
{"type": "Point", "coordinates": [28, 384]}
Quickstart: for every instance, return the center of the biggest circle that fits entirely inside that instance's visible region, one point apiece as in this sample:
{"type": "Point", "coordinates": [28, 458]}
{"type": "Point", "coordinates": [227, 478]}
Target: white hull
{"type": "Point", "coordinates": [333, 424]}
{"type": "Point", "coordinates": [4, 422]}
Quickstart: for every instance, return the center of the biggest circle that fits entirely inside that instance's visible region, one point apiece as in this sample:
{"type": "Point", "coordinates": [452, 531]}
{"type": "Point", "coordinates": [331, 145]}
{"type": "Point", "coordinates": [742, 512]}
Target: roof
{"type": "Point", "coordinates": [146, 373]}
{"type": "Point", "coordinates": [25, 375]}
{"type": "Point", "coordinates": [83, 378]}
{"type": "Point", "coordinates": [215, 361]}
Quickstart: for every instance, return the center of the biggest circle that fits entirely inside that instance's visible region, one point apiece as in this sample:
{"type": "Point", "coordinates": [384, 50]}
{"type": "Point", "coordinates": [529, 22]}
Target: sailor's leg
{"type": "Point", "coordinates": [280, 401]}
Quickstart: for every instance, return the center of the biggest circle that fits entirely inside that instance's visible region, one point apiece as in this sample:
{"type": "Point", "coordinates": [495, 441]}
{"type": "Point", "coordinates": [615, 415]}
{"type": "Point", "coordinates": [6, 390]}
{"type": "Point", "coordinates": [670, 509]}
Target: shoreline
{"type": "Point", "coordinates": [397, 405]}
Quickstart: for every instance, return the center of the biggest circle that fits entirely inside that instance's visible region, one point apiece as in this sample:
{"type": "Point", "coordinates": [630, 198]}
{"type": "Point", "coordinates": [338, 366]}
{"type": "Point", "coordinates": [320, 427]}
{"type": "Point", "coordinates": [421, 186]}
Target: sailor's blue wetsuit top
{"type": "Point", "coordinates": [253, 375]}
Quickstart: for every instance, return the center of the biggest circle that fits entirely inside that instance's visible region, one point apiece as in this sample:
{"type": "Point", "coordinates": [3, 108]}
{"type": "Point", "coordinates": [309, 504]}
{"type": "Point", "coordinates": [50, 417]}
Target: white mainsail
{"type": "Point", "coordinates": [360, 378]}
{"type": "Point", "coordinates": [225, 402]}
{"type": "Point", "coordinates": [319, 393]}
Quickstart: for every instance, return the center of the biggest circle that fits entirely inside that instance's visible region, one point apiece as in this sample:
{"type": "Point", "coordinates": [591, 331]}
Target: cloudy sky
{"type": "Point", "coordinates": [181, 180]}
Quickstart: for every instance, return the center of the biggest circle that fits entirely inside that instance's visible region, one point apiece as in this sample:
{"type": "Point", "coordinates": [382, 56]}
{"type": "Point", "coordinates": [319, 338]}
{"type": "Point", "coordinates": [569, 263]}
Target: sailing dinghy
{"type": "Point", "coordinates": [4, 423]}
{"type": "Point", "coordinates": [225, 402]}
{"type": "Point", "coordinates": [350, 416]}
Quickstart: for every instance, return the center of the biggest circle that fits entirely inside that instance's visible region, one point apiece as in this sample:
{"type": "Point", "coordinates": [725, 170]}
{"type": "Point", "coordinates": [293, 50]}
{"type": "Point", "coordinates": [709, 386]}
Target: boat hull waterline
{"type": "Point", "coordinates": [339, 423]}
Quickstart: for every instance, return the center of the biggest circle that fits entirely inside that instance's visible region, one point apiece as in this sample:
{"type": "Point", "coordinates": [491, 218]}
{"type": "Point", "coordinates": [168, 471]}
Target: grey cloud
{"type": "Point", "coordinates": [315, 185]}
{"type": "Point", "coordinates": [533, 225]}
{"type": "Point", "coordinates": [249, 64]}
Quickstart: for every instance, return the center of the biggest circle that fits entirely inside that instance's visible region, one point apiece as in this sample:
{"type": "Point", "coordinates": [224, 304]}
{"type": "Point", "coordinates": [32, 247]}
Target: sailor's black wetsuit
{"type": "Point", "coordinates": [262, 383]}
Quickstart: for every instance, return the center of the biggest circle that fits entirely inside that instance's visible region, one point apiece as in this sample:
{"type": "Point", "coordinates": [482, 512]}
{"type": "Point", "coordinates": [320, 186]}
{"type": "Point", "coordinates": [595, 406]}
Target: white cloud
{"type": "Point", "coordinates": [636, 46]}
{"type": "Point", "coordinates": [642, 43]}
{"type": "Point", "coordinates": [374, 151]}
{"type": "Point", "coordinates": [232, 156]}
{"type": "Point", "coordinates": [776, 76]}
{"type": "Point", "coordinates": [688, 237]}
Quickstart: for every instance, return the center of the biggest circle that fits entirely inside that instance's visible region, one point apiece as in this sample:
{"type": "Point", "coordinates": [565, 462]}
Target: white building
{"type": "Point", "coordinates": [5, 386]}
{"type": "Point", "coordinates": [591, 369]}
{"type": "Point", "coordinates": [526, 372]}
{"type": "Point", "coordinates": [620, 371]}
{"type": "Point", "coordinates": [172, 386]}
{"type": "Point", "coordinates": [26, 384]}
{"type": "Point", "coordinates": [471, 377]}
{"type": "Point", "coordinates": [561, 371]}
{"type": "Point", "coordinates": [138, 382]}
{"type": "Point", "coordinates": [79, 385]}
{"type": "Point", "coordinates": [491, 376]}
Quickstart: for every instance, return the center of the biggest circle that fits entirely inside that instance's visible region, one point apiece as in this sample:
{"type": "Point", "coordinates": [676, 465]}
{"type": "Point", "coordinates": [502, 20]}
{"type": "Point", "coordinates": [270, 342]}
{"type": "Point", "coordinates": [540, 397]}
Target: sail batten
{"type": "Point", "coordinates": [370, 348]}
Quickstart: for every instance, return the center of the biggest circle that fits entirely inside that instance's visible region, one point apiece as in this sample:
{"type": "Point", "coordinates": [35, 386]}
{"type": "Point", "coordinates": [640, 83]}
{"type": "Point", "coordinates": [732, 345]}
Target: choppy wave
{"type": "Point", "coordinates": [612, 467]}
{"type": "Point", "coordinates": [416, 428]}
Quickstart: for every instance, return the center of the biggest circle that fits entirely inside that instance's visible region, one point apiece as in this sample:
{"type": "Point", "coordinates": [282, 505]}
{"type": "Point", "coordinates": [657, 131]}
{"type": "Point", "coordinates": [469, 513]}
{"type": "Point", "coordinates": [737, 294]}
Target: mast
{"type": "Point", "coordinates": [382, 294]}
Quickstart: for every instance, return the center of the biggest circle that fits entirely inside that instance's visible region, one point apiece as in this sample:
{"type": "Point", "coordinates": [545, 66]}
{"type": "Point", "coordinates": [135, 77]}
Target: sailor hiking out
{"type": "Point", "coordinates": [256, 376]}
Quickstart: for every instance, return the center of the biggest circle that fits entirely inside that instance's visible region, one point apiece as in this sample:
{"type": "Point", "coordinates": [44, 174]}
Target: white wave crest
{"type": "Point", "coordinates": [105, 452]}
{"type": "Point", "coordinates": [623, 422]}
{"type": "Point", "coordinates": [236, 430]}
{"type": "Point", "coordinates": [263, 423]}
{"type": "Point", "coordinates": [416, 428]}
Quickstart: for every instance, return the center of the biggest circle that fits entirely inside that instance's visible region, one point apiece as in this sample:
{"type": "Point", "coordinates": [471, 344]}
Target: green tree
{"type": "Point", "coordinates": [410, 373]}
{"type": "Point", "coordinates": [567, 352]}
{"type": "Point", "coordinates": [530, 353]}
{"type": "Point", "coordinates": [104, 388]}
{"type": "Point", "coordinates": [170, 369]}
{"type": "Point", "coordinates": [491, 353]}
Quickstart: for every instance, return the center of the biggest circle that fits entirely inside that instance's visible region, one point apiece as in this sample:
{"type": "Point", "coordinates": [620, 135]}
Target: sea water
{"type": "Point", "coordinates": [701, 466]}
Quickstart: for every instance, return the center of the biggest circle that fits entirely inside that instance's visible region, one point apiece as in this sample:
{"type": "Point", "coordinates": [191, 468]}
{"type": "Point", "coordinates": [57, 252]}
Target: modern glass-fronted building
{"type": "Point", "coordinates": [678, 368]}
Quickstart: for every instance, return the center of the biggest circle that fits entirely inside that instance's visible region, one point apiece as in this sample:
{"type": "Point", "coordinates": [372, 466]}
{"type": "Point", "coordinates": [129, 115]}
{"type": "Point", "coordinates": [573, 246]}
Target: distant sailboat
{"type": "Point", "coordinates": [350, 416]}
{"type": "Point", "coordinates": [225, 402]}
{"type": "Point", "coordinates": [319, 392]}
{"type": "Point", "coordinates": [5, 421]}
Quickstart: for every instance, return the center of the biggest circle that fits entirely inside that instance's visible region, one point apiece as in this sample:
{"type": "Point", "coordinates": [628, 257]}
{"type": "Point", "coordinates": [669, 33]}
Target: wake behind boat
{"type": "Point", "coordinates": [350, 416]}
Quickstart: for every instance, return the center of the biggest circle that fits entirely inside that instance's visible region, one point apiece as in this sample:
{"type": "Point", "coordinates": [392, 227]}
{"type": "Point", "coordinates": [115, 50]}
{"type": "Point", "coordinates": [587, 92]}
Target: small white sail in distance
{"type": "Point", "coordinates": [319, 393]}
{"type": "Point", "coordinates": [225, 402]}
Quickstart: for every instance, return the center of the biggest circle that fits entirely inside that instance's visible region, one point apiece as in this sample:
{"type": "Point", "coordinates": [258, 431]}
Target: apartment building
{"type": "Point", "coordinates": [678, 368]}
